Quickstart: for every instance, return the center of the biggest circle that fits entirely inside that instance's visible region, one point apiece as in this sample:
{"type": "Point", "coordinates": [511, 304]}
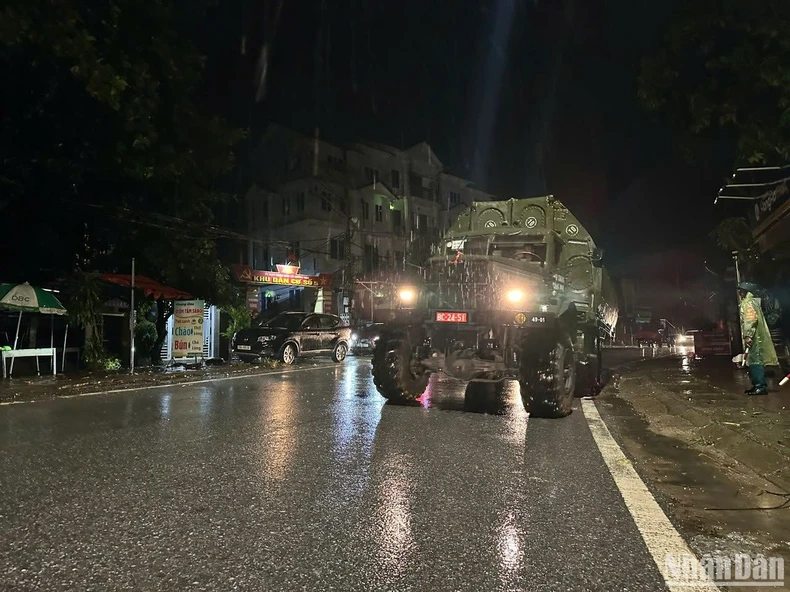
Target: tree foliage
{"type": "Point", "coordinates": [106, 155]}
{"type": "Point", "coordinates": [734, 234]}
{"type": "Point", "coordinates": [725, 67]}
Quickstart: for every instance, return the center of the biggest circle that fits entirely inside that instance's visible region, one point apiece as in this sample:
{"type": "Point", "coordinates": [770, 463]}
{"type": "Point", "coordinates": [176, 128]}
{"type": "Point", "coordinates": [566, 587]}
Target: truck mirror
{"type": "Point", "coordinates": [597, 257]}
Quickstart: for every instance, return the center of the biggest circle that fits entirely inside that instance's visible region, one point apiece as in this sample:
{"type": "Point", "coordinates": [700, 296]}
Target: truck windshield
{"type": "Point", "coordinates": [534, 252]}
{"type": "Point", "coordinates": [470, 246]}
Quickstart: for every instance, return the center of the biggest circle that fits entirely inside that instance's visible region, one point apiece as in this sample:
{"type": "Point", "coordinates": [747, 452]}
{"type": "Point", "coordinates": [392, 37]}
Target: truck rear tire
{"type": "Point", "coordinates": [485, 396]}
{"type": "Point", "coordinates": [393, 369]}
{"type": "Point", "coordinates": [548, 377]}
{"type": "Point", "coordinates": [588, 376]}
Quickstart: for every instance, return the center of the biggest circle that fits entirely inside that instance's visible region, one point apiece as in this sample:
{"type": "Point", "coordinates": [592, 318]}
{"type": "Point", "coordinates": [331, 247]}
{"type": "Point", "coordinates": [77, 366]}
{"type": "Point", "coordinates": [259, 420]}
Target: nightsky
{"type": "Point", "coordinates": [522, 97]}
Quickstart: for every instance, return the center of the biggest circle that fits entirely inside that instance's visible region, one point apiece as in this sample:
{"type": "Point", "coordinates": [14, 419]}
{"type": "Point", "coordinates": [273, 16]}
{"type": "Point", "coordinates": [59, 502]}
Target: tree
{"type": "Point", "coordinates": [734, 235]}
{"type": "Point", "coordinates": [725, 69]}
{"type": "Point", "coordinates": [106, 154]}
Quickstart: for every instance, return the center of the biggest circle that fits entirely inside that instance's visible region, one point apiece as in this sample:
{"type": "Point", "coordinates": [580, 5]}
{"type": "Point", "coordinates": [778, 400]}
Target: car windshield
{"type": "Point", "coordinates": [286, 320]}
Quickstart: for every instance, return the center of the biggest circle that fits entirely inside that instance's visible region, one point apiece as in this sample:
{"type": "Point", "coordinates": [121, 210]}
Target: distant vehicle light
{"type": "Point", "coordinates": [407, 295]}
{"type": "Point", "coordinates": [515, 296]}
{"type": "Point", "coordinates": [354, 337]}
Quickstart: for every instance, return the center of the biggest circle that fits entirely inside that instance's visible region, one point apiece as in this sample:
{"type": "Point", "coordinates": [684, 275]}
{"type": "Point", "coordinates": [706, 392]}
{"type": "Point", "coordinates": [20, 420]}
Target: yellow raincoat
{"type": "Point", "coordinates": [753, 325]}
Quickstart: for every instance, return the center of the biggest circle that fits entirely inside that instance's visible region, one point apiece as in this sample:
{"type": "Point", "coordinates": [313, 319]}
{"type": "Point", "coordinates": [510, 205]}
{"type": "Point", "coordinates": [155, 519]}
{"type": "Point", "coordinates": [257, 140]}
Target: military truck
{"type": "Point", "coordinates": [515, 290]}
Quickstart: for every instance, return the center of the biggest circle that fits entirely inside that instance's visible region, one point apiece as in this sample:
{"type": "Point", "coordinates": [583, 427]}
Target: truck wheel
{"type": "Point", "coordinates": [548, 377]}
{"type": "Point", "coordinates": [485, 396]}
{"type": "Point", "coordinates": [393, 370]}
{"type": "Point", "coordinates": [588, 376]}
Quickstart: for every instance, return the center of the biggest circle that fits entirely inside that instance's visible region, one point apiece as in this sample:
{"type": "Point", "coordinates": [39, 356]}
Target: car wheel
{"type": "Point", "coordinates": [340, 352]}
{"type": "Point", "coordinates": [288, 354]}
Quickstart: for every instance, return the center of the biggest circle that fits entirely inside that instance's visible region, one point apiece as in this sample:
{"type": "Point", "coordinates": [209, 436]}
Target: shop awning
{"type": "Point", "coordinates": [147, 285]}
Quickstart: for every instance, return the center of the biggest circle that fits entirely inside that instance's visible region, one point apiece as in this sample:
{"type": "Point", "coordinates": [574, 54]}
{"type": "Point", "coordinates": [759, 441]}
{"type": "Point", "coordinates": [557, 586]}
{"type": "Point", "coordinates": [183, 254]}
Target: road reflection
{"type": "Point", "coordinates": [356, 411]}
{"type": "Point", "coordinates": [509, 546]}
{"type": "Point", "coordinates": [393, 520]}
{"type": "Point", "coordinates": [279, 436]}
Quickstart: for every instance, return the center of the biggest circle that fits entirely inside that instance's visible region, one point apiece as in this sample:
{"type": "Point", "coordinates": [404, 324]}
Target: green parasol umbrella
{"type": "Point", "coordinates": [25, 298]}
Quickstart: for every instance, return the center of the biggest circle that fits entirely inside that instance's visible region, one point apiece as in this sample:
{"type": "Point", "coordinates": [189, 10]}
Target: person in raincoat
{"type": "Point", "coordinates": [756, 338]}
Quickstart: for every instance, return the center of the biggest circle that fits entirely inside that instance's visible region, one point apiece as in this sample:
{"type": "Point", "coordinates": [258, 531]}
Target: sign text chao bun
{"type": "Point", "coordinates": [188, 328]}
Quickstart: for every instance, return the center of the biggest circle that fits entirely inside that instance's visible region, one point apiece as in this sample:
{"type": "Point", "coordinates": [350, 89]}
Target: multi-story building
{"type": "Point", "coordinates": [355, 211]}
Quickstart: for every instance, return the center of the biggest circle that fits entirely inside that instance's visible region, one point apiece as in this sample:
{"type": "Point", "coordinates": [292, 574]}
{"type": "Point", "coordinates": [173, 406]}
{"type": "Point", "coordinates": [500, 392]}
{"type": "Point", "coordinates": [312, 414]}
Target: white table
{"type": "Point", "coordinates": [46, 352]}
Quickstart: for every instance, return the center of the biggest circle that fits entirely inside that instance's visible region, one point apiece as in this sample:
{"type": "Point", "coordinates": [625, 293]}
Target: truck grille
{"type": "Point", "coordinates": [478, 284]}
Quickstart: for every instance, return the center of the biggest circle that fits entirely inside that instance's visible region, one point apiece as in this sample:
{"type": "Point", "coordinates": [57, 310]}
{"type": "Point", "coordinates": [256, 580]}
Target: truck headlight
{"type": "Point", "coordinates": [407, 295]}
{"type": "Point", "coordinates": [515, 296]}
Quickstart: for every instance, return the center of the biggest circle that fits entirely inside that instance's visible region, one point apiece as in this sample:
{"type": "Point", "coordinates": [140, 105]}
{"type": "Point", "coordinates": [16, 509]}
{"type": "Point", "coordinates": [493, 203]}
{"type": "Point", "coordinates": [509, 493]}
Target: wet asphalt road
{"type": "Point", "coordinates": [307, 481]}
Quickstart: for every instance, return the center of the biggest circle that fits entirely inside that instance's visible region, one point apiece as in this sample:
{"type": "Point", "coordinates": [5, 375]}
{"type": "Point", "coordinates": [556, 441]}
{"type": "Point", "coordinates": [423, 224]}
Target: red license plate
{"type": "Point", "coordinates": [451, 317]}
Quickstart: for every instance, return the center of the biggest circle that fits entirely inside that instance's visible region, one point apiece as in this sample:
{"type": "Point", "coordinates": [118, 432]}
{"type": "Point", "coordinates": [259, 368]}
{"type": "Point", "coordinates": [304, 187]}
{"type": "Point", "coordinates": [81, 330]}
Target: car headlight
{"type": "Point", "coordinates": [516, 296]}
{"type": "Point", "coordinates": [407, 295]}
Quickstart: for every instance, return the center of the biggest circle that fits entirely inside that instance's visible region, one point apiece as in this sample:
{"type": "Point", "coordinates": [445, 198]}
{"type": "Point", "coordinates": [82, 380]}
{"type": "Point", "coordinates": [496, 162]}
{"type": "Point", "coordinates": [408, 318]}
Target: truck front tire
{"type": "Point", "coordinates": [548, 376]}
{"type": "Point", "coordinates": [394, 373]}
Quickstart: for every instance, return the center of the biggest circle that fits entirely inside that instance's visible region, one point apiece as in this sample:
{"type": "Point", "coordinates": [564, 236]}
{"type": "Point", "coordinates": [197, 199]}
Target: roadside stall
{"type": "Point", "coordinates": [24, 298]}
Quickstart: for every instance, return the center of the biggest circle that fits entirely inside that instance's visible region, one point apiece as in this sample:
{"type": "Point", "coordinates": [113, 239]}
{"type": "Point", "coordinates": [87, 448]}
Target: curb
{"type": "Point", "coordinates": [174, 384]}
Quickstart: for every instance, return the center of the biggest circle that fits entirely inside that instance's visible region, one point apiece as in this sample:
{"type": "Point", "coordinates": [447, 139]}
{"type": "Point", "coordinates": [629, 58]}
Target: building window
{"type": "Point", "coordinates": [371, 175]}
{"type": "Point", "coordinates": [395, 179]}
{"type": "Point", "coordinates": [337, 248]}
{"type": "Point", "coordinates": [396, 218]}
{"type": "Point", "coordinates": [455, 198]}
{"type": "Point", "coordinates": [371, 258]}
{"type": "Point", "coordinates": [286, 206]}
{"type": "Point", "coordinates": [379, 213]}
{"type": "Point", "coordinates": [422, 223]}
{"type": "Point", "coordinates": [326, 201]}
{"type": "Point", "coordinates": [300, 201]}
{"type": "Point", "coordinates": [334, 162]}
{"type": "Point", "coordinates": [261, 258]}
{"type": "Point", "coordinates": [365, 210]}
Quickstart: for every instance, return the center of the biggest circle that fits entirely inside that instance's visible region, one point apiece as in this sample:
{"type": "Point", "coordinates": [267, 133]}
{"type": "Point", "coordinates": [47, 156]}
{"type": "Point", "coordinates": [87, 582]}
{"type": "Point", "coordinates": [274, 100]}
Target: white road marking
{"type": "Point", "coordinates": [170, 385]}
{"type": "Point", "coordinates": [660, 536]}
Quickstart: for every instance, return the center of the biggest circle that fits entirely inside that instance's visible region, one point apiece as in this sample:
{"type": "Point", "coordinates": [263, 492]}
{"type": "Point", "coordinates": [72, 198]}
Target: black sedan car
{"type": "Point", "coordinates": [292, 334]}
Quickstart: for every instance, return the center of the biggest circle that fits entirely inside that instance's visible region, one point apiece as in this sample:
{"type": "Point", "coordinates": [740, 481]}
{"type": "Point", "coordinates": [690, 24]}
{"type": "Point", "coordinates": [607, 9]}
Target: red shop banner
{"type": "Point", "coordinates": [248, 275]}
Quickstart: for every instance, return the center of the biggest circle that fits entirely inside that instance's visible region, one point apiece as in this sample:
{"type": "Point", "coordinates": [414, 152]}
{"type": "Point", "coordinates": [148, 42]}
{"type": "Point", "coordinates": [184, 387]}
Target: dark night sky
{"type": "Point", "coordinates": [522, 97]}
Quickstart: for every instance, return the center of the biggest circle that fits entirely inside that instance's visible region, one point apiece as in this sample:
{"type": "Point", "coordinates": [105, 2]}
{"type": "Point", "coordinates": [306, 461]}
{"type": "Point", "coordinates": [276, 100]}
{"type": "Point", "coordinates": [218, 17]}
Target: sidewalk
{"type": "Point", "coordinates": [702, 403]}
{"type": "Point", "coordinates": [37, 388]}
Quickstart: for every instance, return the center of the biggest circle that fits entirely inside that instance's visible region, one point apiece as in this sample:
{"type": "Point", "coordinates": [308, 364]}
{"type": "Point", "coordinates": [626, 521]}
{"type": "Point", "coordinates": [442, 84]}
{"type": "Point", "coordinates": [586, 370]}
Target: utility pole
{"type": "Point", "coordinates": [737, 268]}
{"type": "Point", "coordinates": [737, 276]}
{"type": "Point", "coordinates": [131, 325]}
